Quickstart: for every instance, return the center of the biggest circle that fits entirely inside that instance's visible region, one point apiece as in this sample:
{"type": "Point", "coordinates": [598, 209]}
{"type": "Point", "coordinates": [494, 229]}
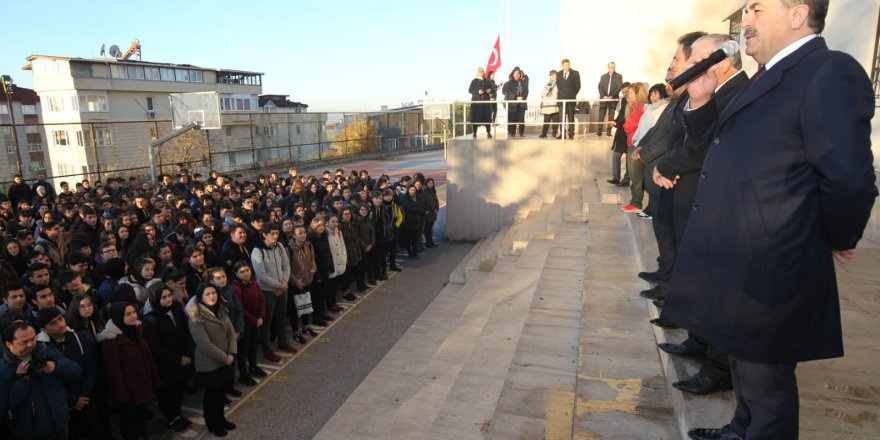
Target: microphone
{"type": "Point", "coordinates": [728, 49]}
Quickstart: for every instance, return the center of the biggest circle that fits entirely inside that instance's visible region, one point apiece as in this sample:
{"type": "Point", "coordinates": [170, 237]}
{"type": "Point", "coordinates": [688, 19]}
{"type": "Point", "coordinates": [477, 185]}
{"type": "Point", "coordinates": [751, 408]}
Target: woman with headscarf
{"type": "Point", "coordinates": [215, 352]}
{"type": "Point", "coordinates": [167, 330]}
{"type": "Point", "coordinates": [131, 372]}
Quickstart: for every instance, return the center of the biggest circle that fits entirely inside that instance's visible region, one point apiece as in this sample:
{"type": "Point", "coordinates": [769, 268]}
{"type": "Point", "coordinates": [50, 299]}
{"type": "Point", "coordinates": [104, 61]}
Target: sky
{"type": "Point", "coordinates": [339, 56]}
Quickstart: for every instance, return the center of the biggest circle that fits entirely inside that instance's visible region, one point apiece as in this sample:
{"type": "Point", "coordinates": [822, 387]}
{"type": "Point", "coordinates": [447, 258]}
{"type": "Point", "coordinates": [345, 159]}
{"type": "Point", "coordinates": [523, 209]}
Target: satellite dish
{"type": "Point", "coordinates": [103, 52]}
{"type": "Point", "coordinates": [115, 52]}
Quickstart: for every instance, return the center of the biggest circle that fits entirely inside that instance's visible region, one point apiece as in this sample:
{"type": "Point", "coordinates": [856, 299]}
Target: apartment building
{"type": "Point", "coordinates": [99, 114]}
{"type": "Point", "coordinates": [28, 134]}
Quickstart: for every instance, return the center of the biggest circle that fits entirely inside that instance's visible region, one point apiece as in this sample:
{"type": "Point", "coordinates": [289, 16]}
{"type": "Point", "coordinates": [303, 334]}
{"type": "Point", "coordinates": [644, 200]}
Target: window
{"type": "Point", "coordinates": [93, 103]}
{"type": "Point", "coordinates": [228, 131]}
{"type": "Point", "coordinates": [152, 73]}
{"type": "Point", "coordinates": [166, 74]}
{"type": "Point", "coordinates": [181, 74]}
{"type": "Point", "coordinates": [37, 165]}
{"type": "Point", "coordinates": [35, 147]}
{"type": "Point", "coordinates": [102, 137]}
{"type": "Point", "coordinates": [118, 71]}
{"type": "Point", "coordinates": [268, 130]}
{"type": "Point", "coordinates": [298, 129]}
{"type": "Point", "coordinates": [60, 137]}
{"type": "Point", "coordinates": [56, 103]}
{"type": "Point", "coordinates": [29, 109]}
{"type": "Point", "coordinates": [196, 76]}
{"type": "Point", "coordinates": [150, 106]}
{"type": "Point", "coordinates": [74, 106]}
{"type": "Point", "coordinates": [4, 109]}
{"type": "Point", "coordinates": [31, 129]}
{"type": "Point", "coordinates": [135, 72]}
{"type": "Point", "coordinates": [80, 140]}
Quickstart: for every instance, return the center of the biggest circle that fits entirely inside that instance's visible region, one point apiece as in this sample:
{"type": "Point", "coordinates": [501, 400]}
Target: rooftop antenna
{"type": "Point", "coordinates": [115, 52]}
{"type": "Point", "coordinates": [103, 52]}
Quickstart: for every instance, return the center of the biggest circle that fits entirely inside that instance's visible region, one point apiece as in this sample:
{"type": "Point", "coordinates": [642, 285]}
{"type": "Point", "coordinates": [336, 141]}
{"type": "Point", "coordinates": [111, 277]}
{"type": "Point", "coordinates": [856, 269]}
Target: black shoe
{"type": "Point", "coordinates": [311, 332]}
{"type": "Point", "coordinates": [701, 385]}
{"type": "Point", "coordinates": [229, 425]}
{"type": "Point", "coordinates": [300, 339]}
{"type": "Point", "coordinates": [362, 289]}
{"type": "Point", "coordinates": [319, 322]}
{"type": "Point", "coordinates": [624, 182]}
{"type": "Point", "coordinates": [327, 318]}
{"type": "Point", "coordinates": [542, 136]}
{"type": "Point", "coordinates": [651, 277]}
{"type": "Point", "coordinates": [247, 381]}
{"type": "Point", "coordinates": [414, 256]}
{"type": "Point", "coordinates": [663, 324]}
{"type": "Point", "coordinates": [558, 137]}
{"type": "Point", "coordinates": [226, 401]}
{"type": "Point", "coordinates": [371, 282]}
{"type": "Point", "coordinates": [613, 181]}
{"type": "Point", "coordinates": [713, 434]}
{"type": "Point", "coordinates": [395, 268]}
{"type": "Point", "coordinates": [382, 277]}
{"type": "Point", "coordinates": [219, 432]}
{"type": "Point", "coordinates": [658, 303]}
{"type": "Point", "coordinates": [475, 135]}
{"type": "Point", "coordinates": [179, 424]}
{"type": "Point", "coordinates": [683, 350]}
{"type": "Point", "coordinates": [232, 392]}
{"type": "Point", "coordinates": [656, 292]}
{"type": "Point", "coordinates": [350, 297]}
{"type": "Point", "coordinates": [489, 135]}
{"type": "Point", "coordinates": [258, 372]}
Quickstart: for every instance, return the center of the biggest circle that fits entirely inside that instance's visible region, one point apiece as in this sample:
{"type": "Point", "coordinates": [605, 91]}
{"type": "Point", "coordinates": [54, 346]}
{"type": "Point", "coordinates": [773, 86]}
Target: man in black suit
{"type": "Point", "coordinates": [786, 190]}
{"type": "Point", "coordinates": [568, 84]}
{"type": "Point", "coordinates": [682, 163]}
{"type": "Point", "coordinates": [609, 88]}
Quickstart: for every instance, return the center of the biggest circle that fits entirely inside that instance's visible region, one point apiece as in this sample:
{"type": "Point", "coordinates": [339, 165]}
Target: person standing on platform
{"type": "Point", "coordinates": [480, 90]}
{"type": "Point", "coordinates": [516, 89]}
{"type": "Point", "coordinates": [549, 106]}
{"type": "Point", "coordinates": [786, 190]}
{"type": "Point", "coordinates": [569, 84]}
{"type": "Point", "coordinates": [610, 85]}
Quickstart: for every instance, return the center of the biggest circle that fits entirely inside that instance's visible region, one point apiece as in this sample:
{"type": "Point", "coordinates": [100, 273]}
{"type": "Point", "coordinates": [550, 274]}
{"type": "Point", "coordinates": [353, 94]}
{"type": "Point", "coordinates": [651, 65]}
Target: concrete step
{"type": "Point", "coordinates": [407, 373]}
{"type": "Point", "coordinates": [490, 333]}
{"type": "Point", "coordinates": [538, 396]}
{"type": "Point", "coordinates": [574, 205]}
{"type": "Point", "coordinates": [489, 255]}
{"type": "Point", "coordinates": [557, 212]}
{"type": "Point", "coordinates": [541, 220]}
{"type": "Point", "coordinates": [522, 232]}
{"type": "Point", "coordinates": [621, 388]}
{"type": "Point", "coordinates": [458, 275]}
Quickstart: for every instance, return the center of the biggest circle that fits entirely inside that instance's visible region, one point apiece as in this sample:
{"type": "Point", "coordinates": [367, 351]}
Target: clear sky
{"type": "Point", "coordinates": [340, 55]}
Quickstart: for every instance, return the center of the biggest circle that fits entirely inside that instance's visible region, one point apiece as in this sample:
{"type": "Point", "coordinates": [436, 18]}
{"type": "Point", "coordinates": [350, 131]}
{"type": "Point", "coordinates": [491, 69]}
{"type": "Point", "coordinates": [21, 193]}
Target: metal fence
{"type": "Point", "coordinates": [95, 150]}
{"type": "Point", "coordinates": [586, 114]}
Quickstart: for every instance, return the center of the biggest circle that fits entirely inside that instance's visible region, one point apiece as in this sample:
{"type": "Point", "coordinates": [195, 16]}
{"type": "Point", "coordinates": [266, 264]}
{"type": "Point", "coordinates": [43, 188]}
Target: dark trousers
{"type": "Point", "coordinates": [319, 291]}
{"type": "Point", "coordinates": [412, 240]}
{"type": "Point", "coordinates": [87, 422]}
{"type": "Point", "coordinates": [212, 407]}
{"type": "Point", "coordinates": [133, 422]}
{"type": "Point", "coordinates": [551, 120]}
{"type": "Point", "coordinates": [247, 349]}
{"type": "Point", "coordinates": [276, 310]}
{"type": "Point", "coordinates": [61, 434]}
{"type": "Point", "coordinates": [568, 110]}
{"type": "Point", "coordinates": [605, 108]}
{"type": "Point", "coordinates": [615, 166]}
{"type": "Point", "coordinates": [664, 233]}
{"type": "Point", "coordinates": [296, 321]}
{"type": "Point", "coordinates": [516, 117]}
{"type": "Point", "coordinates": [767, 402]}
{"type": "Point", "coordinates": [391, 247]}
{"type": "Point", "coordinates": [379, 263]}
{"type": "Point", "coordinates": [170, 397]}
{"type": "Point", "coordinates": [429, 232]}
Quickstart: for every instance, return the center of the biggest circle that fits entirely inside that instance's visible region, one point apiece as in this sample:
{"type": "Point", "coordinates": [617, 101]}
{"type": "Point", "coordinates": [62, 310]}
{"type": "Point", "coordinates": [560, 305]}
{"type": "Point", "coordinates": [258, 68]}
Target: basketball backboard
{"type": "Point", "coordinates": [436, 110]}
{"type": "Point", "coordinates": [202, 108]}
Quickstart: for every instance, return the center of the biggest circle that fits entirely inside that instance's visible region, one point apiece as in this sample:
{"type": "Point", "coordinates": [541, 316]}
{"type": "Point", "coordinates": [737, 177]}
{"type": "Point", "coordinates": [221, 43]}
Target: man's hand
{"type": "Point", "coordinates": [664, 182]}
{"type": "Point", "coordinates": [702, 88]}
{"type": "Point", "coordinates": [185, 360]}
{"type": "Point", "coordinates": [635, 154]}
{"type": "Point", "coordinates": [612, 123]}
{"type": "Point", "coordinates": [843, 257]}
{"type": "Point", "coordinates": [259, 322]}
{"type": "Point", "coordinates": [22, 368]}
{"type": "Point", "coordinates": [229, 359]}
{"type": "Point", "coordinates": [81, 403]}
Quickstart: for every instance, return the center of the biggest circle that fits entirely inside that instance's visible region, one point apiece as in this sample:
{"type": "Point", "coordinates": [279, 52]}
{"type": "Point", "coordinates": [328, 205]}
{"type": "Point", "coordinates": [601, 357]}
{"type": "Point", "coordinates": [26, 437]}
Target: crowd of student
{"type": "Point", "coordinates": [124, 294]}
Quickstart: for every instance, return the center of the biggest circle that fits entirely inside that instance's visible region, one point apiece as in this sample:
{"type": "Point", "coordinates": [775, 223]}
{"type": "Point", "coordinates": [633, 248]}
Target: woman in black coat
{"type": "Point", "coordinates": [618, 145]}
{"type": "Point", "coordinates": [413, 219]}
{"type": "Point", "coordinates": [322, 285]}
{"type": "Point", "coordinates": [166, 329]}
{"type": "Point", "coordinates": [480, 89]}
{"type": "Point", "coordinates": [432, 208]}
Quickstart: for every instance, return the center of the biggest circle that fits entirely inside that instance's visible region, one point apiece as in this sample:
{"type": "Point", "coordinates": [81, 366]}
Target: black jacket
{"type": "Point", "coordinates": [169, 340]}
{"type": "Point", "coordinates": [568, 88]}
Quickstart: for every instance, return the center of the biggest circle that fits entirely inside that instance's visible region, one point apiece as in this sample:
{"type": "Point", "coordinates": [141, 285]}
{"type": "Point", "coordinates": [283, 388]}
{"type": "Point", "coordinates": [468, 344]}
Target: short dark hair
{"type": "Point", "coordinates": [267, 228]}
{"type": "Point", "coordinates": [9, 287]}
{"type": "Point", "coordinates": [687, 41]}
{"type": "Point", "coordinates": [9, 332]}
{"type": "Point", "coordinates": [818, 12]}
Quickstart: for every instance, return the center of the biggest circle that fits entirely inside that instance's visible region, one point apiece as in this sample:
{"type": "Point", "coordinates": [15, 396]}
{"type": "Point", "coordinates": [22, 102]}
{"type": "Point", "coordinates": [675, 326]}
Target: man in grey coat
{"type": "Point", "coordinates": [272, 269]}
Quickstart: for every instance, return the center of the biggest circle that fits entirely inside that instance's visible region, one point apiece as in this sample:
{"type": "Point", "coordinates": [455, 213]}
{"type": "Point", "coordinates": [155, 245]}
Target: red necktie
{"type": "Point", "coordinates": [758, 75]}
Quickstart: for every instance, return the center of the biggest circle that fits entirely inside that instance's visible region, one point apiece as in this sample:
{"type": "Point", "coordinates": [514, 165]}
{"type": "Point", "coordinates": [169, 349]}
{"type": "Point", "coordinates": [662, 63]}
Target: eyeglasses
{"type": "Point", "coordinates": [86, 305]}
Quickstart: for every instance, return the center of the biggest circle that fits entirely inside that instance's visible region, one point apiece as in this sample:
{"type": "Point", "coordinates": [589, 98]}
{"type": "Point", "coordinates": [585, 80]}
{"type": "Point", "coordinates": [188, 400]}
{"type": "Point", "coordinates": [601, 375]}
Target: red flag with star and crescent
{"type": "Point", "coordinates": [494, 58]}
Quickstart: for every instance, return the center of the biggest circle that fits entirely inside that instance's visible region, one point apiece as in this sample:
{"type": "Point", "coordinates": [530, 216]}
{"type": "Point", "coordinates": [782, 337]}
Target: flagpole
{"type": "Point", "coordinates": [507, 36]}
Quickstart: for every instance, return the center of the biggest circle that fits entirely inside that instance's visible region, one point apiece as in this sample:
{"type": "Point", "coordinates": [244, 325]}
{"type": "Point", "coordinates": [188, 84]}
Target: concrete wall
{"type": "Point", "coordinates": [491, 182]}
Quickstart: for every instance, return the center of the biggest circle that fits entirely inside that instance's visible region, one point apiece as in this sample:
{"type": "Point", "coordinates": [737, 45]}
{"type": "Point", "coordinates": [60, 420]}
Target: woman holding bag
{"type": "Point", "coordinates": [302, 272]}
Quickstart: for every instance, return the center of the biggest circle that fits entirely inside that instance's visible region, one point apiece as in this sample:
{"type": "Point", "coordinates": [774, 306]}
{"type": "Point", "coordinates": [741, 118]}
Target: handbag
{"type": "Point", "coordinates": [303, 303]}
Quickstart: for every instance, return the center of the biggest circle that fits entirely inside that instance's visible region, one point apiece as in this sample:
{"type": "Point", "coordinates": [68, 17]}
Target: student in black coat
{"type": "Point", "coordinates": [619, 143]}
{"type": "Point", "coordinates": [235, 249]}
{"type": "Point", "coordinates": [166, 329]}
{"type": "Point", "coordinates": [414, 210]}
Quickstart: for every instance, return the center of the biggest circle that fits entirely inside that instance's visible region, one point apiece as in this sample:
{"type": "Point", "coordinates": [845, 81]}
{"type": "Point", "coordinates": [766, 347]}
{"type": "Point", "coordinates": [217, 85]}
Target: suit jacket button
{"type": "Point", "coordinates": [704, 175]}
{"type": "Point", "coordinates": [716, 141]}
{"type": "Point", "coordinates": [696, 207]}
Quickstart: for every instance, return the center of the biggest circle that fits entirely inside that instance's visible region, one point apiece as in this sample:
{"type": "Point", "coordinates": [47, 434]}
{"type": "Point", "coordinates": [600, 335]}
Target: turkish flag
{"type": "Point", "coordinates": [494, 58]}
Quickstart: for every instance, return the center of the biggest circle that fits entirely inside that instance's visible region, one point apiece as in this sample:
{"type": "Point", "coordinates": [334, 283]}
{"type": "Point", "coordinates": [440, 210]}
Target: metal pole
{"type": "Point", "coordinates": [253, 149]}
{"type": "Point", "coordinates": [563, 119]}
{"type": "Point", "coordinates": [95, 149]}
{"type": "Point", "coordinates": [152, 147]}
{"type": "Point", "coordinates": [14, 134]}
{"type": "Point", "coordinates": [289, 139]}
{"type": "Point", "coordinates": [453, 120]}
{"type": "Point", "coordinates": [210, 155]}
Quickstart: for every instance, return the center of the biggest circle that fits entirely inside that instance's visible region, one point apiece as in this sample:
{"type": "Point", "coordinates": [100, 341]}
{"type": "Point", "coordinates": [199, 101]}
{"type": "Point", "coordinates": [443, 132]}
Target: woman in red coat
{"type": "Point", "coordinates": [131, 371]}
{"type": "Point", "coordinates": [636, 98]}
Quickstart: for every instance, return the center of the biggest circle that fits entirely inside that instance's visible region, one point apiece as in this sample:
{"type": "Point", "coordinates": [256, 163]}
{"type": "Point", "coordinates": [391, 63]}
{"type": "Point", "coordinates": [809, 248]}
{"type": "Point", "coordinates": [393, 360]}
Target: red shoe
{"type": "Point", "coordinates": [288, 348]}
{"type": "Point", "coordinates": [630, 209]}
{"type": "Point", "coordinates": [272, 357]}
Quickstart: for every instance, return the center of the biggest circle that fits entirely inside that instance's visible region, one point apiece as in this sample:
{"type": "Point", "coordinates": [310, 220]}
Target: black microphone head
{"type": "Point", "coordinates": [730, 48]}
